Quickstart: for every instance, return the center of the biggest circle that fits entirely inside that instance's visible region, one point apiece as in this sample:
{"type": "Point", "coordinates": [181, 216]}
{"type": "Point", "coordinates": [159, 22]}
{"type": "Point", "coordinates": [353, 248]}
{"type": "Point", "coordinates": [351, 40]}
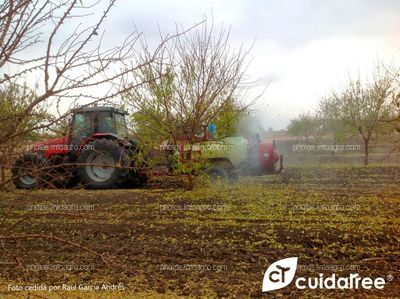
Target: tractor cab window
{"type": "Point", "coordinates": [120, 125]}
{"type": "Point", "coordinates": [83, 125]}
{"type": "Point", "coordinates": [106, 122]}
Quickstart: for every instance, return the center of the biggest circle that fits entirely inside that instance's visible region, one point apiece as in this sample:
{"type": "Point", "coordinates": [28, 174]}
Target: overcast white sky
{"type": "Point", "coordinates": [304, 48]}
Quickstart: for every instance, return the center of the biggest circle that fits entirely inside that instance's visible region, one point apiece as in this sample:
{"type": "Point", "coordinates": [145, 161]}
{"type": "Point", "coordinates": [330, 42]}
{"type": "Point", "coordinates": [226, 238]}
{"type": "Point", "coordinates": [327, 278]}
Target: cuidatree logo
{"type": "Point", "coordinates": [281, 273]}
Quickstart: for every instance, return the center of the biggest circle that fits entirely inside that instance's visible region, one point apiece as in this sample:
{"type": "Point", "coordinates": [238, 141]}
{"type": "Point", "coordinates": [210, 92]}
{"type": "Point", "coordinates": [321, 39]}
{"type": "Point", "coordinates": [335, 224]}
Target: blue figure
{"type": "Point", "coordinates": [212, 129]}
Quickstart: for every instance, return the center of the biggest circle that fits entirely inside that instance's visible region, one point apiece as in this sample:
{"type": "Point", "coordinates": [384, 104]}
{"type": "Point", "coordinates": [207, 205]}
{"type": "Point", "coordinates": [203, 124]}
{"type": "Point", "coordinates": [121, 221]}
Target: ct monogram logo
{"type": "Point", "coordinates": [280, 274]}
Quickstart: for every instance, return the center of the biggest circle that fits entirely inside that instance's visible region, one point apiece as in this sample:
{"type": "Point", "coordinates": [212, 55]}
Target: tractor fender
{"type": "Point", "coordinates": [109, 136]}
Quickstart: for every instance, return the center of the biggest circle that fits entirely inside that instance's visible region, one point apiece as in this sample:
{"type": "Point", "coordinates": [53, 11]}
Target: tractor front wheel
{"type": "Point", "coordinates": [27, 171]}
{"type": "Point", "coordinates": [103, 165]}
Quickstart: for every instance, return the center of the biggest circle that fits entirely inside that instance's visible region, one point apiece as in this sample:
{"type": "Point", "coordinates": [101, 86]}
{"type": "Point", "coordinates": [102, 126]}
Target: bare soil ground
{"type": "Point", "coordinates": [213, 241]}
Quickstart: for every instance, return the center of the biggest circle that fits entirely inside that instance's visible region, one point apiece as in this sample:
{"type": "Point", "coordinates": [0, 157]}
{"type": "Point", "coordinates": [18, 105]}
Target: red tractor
{"type": "Point", "coordinates": [96, 152]}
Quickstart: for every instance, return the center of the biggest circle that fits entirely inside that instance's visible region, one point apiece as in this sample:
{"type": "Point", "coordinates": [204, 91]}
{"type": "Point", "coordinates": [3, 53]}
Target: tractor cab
{"type": "Point", "coordinates": [89, 121]}
{"type": "Point", "coordinates": [86, 125]}
{"type": "Point", "coordinates": [96, 122]}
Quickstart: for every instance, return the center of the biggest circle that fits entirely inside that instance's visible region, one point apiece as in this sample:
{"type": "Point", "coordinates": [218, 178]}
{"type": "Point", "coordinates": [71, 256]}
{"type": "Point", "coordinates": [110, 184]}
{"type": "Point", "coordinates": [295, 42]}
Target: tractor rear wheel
{"type": "Point", "coordinates": [103, 165]}
{"type": "Point", "coordinates": [27, 171]}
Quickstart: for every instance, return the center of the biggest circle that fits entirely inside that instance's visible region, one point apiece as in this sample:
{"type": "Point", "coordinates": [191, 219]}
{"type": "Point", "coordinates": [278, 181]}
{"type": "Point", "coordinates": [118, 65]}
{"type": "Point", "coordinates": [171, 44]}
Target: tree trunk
{"type": "Point", "coordinates": [366, 148]}
{"type": "Point", "coordinates": [190, 177]}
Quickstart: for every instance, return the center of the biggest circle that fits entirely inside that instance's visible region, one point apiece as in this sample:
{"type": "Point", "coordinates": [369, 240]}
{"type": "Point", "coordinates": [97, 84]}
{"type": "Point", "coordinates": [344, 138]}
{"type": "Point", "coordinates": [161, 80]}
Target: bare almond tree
{"type": "Point", "coordinates": [363, 106]}
{"type": "Point", "coordinates": [197, 75]}
{"type": "Point", "coordinates": [53, 45]}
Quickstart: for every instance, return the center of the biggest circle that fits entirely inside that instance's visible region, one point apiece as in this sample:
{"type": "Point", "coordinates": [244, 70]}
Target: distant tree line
{"type": "Point", "coordinates": [364, 108]}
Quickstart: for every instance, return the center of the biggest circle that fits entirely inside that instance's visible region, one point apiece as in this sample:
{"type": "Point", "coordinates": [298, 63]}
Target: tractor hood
{"type": "Point", "coordinates": [51, 147]}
